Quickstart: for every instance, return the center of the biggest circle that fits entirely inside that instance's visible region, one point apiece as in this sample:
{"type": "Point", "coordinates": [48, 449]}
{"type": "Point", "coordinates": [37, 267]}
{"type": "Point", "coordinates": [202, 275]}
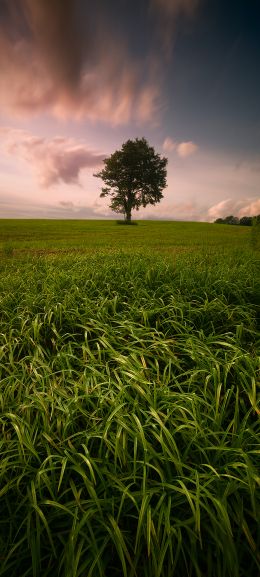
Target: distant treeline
{"type": "Point", "coordinates": [244, 221]}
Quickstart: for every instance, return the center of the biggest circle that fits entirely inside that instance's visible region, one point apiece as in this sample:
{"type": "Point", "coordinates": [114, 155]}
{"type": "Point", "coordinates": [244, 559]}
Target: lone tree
{"type": "Point", "coordinates": [134, 176]}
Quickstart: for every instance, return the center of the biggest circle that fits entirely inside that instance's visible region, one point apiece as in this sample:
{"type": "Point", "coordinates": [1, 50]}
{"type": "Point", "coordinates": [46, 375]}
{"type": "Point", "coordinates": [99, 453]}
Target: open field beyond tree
{"type": "Point", "coordinates": [129, 415]}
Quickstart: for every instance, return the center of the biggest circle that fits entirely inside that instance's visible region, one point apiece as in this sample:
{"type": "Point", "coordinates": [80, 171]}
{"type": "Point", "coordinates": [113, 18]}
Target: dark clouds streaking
{"type": "Point", "coordinates": [167, 12]}
{"type": "Point", "coordinates": [53, 26]}
{"type": "Point", "coordinates": [57, 56]}
{"type": "Point", "coordinates": [78, 60]}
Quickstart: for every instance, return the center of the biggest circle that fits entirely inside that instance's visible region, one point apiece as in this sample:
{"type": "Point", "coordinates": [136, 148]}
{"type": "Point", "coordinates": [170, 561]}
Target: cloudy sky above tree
{"type": "Point", "coordinates": [78, 78]}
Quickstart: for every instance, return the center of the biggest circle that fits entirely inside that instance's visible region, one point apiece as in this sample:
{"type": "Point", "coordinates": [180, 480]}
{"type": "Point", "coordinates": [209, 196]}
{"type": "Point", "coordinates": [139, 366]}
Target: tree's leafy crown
{"type": "Point", "coordinates": [134, 176]}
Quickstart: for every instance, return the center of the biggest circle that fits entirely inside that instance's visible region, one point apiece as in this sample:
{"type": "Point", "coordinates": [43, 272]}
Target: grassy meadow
{"type": "Point", "coordinates": [129, 399]}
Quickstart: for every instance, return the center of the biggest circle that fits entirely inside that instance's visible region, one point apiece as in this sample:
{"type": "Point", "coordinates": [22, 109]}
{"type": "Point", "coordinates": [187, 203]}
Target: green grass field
{"type": "Point", "coordinates": [129, 399]}
{"type": "Point", "coordinates": [92, 236]}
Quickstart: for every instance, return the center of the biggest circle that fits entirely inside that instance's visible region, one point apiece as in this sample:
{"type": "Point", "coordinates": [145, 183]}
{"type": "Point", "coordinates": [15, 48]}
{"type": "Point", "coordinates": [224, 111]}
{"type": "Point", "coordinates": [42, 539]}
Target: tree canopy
{"type": "Point", "coordinates": [134, 176]}
{"type": "Point", "coordinates": [243, 221]}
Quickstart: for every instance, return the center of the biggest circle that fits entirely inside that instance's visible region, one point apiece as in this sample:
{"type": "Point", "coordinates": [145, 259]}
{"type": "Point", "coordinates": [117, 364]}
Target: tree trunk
{"type": "Point", "coordinates": [128, 216]}
{"type": "Point", "coordinates": [128, 207]}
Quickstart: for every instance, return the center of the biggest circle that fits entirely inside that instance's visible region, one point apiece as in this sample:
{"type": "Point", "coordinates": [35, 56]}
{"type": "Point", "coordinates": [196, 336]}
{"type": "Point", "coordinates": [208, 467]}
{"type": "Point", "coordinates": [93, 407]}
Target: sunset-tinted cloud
{"type": "Point", "coordinates": [169, 144]}
{"type": "Point", "coordinates": [51, 60]}
{"type": "Point", "coordinates": [53, 28]}
{"type": "Point", "coordinates": [235, 207]}
{"type": "Point", "coordinates": [185, 149]}
{"type": "Point", "coordinates": [55, 161]}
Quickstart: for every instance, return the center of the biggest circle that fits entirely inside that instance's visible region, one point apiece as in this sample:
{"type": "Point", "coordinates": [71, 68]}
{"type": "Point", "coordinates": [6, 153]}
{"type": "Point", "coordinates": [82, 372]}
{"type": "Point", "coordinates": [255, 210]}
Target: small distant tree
{"type": "Point", "coordinates": [134, 176]}
{"type": "Point", "coordinates": [231, 219]}
{"type": "Point", "coordinates": [246, 221]}
{"type": "Point", "coordinates": [227, 220]}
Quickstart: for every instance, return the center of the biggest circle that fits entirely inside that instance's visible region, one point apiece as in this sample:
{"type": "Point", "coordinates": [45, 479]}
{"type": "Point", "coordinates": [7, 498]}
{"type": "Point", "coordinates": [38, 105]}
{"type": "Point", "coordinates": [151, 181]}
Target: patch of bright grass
{"type": "Point", "coordinates": [129, 415]}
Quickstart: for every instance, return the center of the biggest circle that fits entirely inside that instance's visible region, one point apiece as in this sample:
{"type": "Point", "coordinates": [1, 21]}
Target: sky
{"type": "Point", "coordinates": [80, 78]}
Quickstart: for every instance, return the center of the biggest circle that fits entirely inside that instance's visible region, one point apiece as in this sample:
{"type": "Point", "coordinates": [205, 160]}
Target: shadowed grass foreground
{"type": "Point", "coordinates": [129, 416]}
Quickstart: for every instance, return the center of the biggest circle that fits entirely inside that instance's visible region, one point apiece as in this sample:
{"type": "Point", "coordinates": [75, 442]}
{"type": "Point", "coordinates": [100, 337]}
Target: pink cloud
{"type": "Point", "coordinates": [49, 62]}
{"type": "Point", "coordinates": [251, 209]}
{"type": "Point", "coordinates": [55, 161]}
{"type": "Point", "coordinates": [169, 144]}
{"type": "Point", "coordinates": [236, 207]}
{"type": "Point", "coordinates": [187, 210]}
{"type": "Point", "coordinates": [185, 149]}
